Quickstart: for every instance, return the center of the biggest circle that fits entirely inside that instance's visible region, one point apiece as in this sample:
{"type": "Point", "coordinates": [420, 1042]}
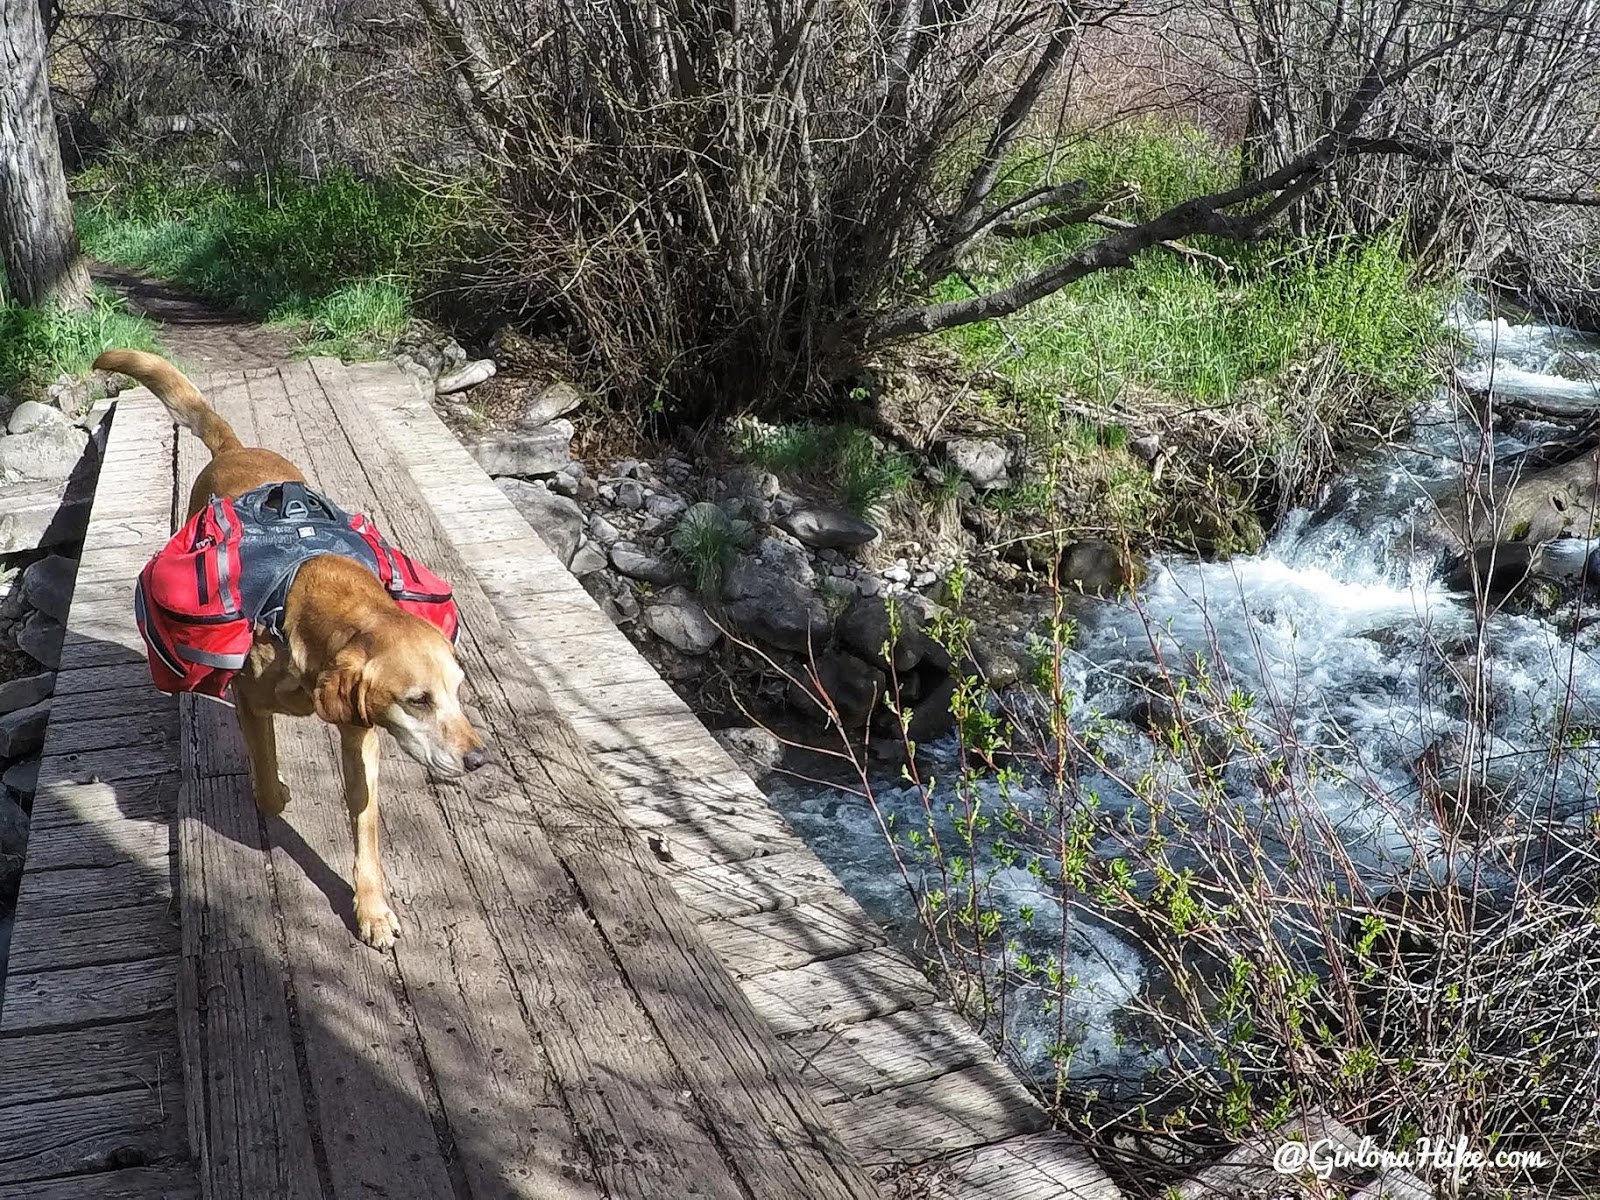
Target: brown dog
{"type": "Point", "coordinates": [350, 654]}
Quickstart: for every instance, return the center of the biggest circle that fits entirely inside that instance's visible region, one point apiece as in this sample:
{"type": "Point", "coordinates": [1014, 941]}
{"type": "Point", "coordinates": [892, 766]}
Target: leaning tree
{"type": "Point", "coordinates": [38, 242]}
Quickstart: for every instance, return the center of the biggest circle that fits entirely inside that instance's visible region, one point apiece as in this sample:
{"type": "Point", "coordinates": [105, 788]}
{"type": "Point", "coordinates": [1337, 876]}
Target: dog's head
{"type": "Point", "coordinates": [403, 677]}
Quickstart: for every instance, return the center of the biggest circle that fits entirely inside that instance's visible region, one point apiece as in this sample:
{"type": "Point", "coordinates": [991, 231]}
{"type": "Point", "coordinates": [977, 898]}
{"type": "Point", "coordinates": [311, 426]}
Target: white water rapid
{"type": "Point", "coordinates": [1344, 634]}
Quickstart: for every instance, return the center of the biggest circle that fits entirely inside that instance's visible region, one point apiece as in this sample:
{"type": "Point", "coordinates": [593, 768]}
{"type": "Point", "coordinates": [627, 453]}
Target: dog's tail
{"type": "Point", "coordinates": [187, 406]}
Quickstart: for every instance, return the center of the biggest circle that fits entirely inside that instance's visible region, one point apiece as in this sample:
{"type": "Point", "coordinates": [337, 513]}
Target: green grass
{"type": "Point", "coordinates": [1190, 329]}
{"type": "Point", "coordinates": [707, 543]}
{"type": "Point", "coordinates": [340, 260]}
{"type": "Point", "coordinates": [841, 456]}
{"type": "Point", "coordinates": [36, 345]}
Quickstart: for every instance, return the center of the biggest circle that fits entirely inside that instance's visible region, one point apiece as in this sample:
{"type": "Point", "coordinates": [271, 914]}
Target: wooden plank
{"type": "Point", "coordinates": [92, 1133]}
{"type": "Point", "coordinates": [512, 1135]}
{"type": "Point", "coordinates": [247, 1106]}
{"type": "Point", "coordinates": [713, 836]}
{"type": "Point", "coordinates": [1034, 1166]}
{"type": "Point", "coordinates": [872, 1056]}
{"type": "Point", "coordinates": [917, 1121]}
{"type": "Point", "coordinates": [60, 802]}
{"type": "Point", "coordinates": [1247, 1168]}
{"type": "Point", "coordinates": [792, 937]}
{"type": "Point", "coordinates": [52, 941]}
{"type": "Point", "coordinates": [768, 1126]}
{"type": "Point", "coordinates": [82, 1062]}
{"type": "Point", "coordinates": [83, 995]}
{"type": "Point", "coordinates": [108, 766]}
{"type": "Point", "coordinates": [91, 889]}
{"type": "Point", "coordinates": [256, 1136]}
{"type": "Point", "coordinates": [719, 889]}
{"type": "Point", "coordinates": [629, 1100]}
{"type": "Point", "coordinates": [139, 1183]}
{"type": "Point", "coordinates": [130, 676]}
{"type": "Point", "coordinates": [63, 846]}
{"type": "Point", "coordinates": [873, 983]}
{"type": "Point", "coordinates": [148, 725]}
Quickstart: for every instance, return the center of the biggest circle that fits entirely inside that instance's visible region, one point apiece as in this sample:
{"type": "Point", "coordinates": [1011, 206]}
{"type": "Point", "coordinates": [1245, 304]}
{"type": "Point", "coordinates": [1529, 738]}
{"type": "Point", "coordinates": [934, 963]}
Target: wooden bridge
{"type": "Point", "coordinates": [620, 975]}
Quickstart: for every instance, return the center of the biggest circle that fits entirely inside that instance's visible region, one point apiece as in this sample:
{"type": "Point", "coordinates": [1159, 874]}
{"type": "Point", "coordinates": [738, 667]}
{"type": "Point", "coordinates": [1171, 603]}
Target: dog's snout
{"type": "Point", "coordinates": [473, 759]}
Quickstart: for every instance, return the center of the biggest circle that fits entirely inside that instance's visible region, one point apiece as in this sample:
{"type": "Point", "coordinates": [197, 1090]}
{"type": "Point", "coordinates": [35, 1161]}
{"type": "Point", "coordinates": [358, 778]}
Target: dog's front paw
{"type": "Point", "coordinates": [272, 798]}
{"type": "Point", "coordinates": [377, 925]}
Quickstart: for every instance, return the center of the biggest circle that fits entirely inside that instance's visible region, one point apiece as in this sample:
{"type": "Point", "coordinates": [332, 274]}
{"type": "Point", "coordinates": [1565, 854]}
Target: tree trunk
{"type": "Point", "coordinates": [38, 242]}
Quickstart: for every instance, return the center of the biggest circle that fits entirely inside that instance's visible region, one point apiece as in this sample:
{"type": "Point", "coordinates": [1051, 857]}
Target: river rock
{"type": "Point", "coordinates": [22, 731]}
{"type": "Point", "coordinates": [770, 597]}
{"type": "Point", "coordinates": [637, 563]}
{"type": "Point", "coordinates": [39, 515]}
{"type": "Point", "coordinates": [603, 531]}
{"type": "Point", "coordinates": [1097, 568]}
{"type": "Point", "coordinates": [525, 451]}
{"type": "Point", "coordinates": [864, 629]}
{"type": "Point", "coordinates": [13, 827]}
{"type": "Point", "coordinates": [663, 506]}
{"type": "Point", "coordinates": [853, 686]}
{"type": "Point", "coordinates": [21, 693]}
{"type": "Point", "coordinates": [559, 521]}
{"type": "Point", "coordinates": [830, 527]}
{"type": "Point", "coordinates": [983, 463]}
{"type": "Point", "coordinates": [588, 559]}
{"type": "Point", "coordinates": [932, 716]}
{"type": "Point", "coordinates": [751, 483]}
{"type": "Point", "coordinates": [73, 396]}
{"type": "Point", "coordinates": [469, 376]}
{"type": "Point", "coordinates": [552, 401]}
{"type": "Point", "coordinates": [996, 663]}
{"type": "Point", "coordinates": [31, 415]}
{"type": "Point", "coordinates": [47, 585]}
{"type": "Point", "coordinates": [40, 638]}
{"type": "Point", "coordinates": [678, 619]}
{"type": "Point", "coordinates": [48, 453]}
{"type": "Point", "coordinates": [757, 751]}
{"type": "Point", "coordinates": [23, 777]}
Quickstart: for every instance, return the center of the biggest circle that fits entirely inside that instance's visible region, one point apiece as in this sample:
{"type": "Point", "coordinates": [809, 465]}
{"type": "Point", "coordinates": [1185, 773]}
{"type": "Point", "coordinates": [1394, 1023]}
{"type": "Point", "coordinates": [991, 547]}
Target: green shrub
{"type": "Point", "coordinates": [36, 345]}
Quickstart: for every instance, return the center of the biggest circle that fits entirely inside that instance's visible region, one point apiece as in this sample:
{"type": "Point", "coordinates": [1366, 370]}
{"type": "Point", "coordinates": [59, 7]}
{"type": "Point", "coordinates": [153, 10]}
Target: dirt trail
{"type": "Point", "coordinates": [198, 335]}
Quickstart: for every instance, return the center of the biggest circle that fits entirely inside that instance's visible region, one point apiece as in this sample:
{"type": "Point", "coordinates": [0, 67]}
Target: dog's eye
{"type": "Point", "coordinates": [420, 700]}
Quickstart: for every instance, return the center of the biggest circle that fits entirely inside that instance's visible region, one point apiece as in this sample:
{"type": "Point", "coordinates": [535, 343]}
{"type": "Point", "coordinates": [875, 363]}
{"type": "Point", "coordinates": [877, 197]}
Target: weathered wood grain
{"type": "Point", "coordinates": [1034, 1166]}
{"type": "Point", "coordinates": [139, 1183]}
{"type": "Point", "coordinates": [372, 1118]}
{"type": "Point", "coordinates": [873, 983]}
{"type": "Point", "coordinates": [84, 995]}
{"type": "Point", "coordinates": [498, 1090]}
{"type": "Point", "coordinates": [83, 1062]}
{"type": "Point", "coordinates": [874, 1055]}
{"type": "Point", "coordinates": [93, 1133]}
{"type": "Point", "coordinates": [87, 889]}
{"type": "Point", "coordinates": [51, 941]}
{"type": "Point", "coordinates": [773, 1131]}
{"type": "Point", "coordinates": [643, 1128]}
{"type": "Point", "coordinates": [732, 889]}
{"type": "Point", "coordinates": [792, 937]}
{"type": "Point", "coordinates": [912, 1123]}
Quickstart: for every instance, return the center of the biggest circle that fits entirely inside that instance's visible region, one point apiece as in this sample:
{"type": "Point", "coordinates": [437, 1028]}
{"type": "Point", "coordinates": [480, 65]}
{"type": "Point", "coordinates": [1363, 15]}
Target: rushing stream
{"type": "Point", "coordinates": [1343, 629]}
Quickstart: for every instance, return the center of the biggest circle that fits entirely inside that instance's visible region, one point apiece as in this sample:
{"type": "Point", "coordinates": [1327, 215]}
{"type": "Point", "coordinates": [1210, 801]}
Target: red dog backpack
{"type": "Point", "coordinates": [229, 570]}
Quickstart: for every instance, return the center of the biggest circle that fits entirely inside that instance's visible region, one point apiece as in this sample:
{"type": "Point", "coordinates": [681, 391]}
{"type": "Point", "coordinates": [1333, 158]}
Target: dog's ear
{"type": "Point", "coordinates": [341, 692]}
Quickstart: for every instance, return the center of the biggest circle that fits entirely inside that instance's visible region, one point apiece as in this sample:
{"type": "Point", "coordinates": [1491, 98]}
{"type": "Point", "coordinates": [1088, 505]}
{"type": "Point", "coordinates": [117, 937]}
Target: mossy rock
{"type": "Point", "coordinates": [1221, 524]}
